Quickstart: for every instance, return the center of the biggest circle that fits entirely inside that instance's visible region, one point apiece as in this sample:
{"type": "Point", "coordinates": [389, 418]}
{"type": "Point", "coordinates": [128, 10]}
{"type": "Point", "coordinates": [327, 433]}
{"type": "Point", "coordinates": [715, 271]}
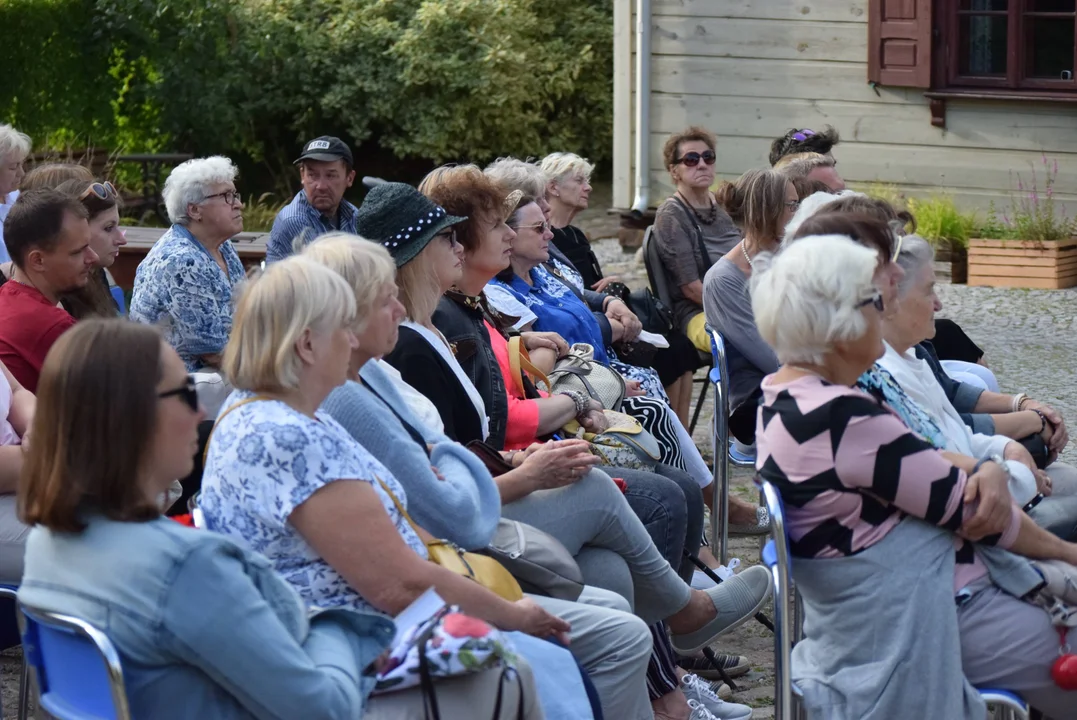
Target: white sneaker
{"type": "Point", "coordinates": [706, 704]}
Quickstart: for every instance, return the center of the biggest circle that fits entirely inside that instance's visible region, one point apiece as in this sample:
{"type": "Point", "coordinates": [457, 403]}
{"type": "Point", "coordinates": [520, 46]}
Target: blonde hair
{"type": "Point", "coordinates": [559, 165]}
{"type": "Point", "coordinates": [366, 266]}
{"type": "Point", "coordinates": [513, 174]}
{"type": "Point", "coordinates": [800, 165]}
{"type": "Point", "coordinates": [274, 310]}
{"type": "Point", "coordinates": [13, 144]}
{"type": "Point", "coordinates": [419, 287]}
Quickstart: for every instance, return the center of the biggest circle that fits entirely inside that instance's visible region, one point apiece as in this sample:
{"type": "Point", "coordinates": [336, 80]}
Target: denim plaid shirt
{"type": "Point", "coordinates": [301, 219]}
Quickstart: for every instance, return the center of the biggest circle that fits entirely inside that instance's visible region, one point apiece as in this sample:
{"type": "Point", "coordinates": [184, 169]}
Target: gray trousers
{"type": "Point", "coordinates": [593, 513]}
{"type": "Point", "coordinates": [468, 696]}
{"type": "Point", "coordinates": [612, 645]}
{"type": "Point", "coordinates": [1010, 644]}
{"type": "Point", "coordinates": [1057, 513]}
{"type": "Point", "coordinates": [12, 541]}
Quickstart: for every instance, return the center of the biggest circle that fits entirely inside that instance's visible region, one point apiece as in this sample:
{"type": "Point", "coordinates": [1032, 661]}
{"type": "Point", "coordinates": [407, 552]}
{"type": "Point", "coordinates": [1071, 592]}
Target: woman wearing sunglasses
{"type": "Point", "coordinates": [692, 230]}
{"type": "Point", "coordinates": [102, 201]}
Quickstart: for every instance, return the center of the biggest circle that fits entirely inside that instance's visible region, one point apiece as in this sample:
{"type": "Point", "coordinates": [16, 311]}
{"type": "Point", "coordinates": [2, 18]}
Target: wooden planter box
{"type": "Point", "coordinates": [1048, 265]}
{"type": "Point", "coordinates": [952, 264]}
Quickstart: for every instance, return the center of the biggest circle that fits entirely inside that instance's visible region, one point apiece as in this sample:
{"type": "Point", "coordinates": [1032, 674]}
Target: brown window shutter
{"type": "Point", "coordinates": [899, 42]}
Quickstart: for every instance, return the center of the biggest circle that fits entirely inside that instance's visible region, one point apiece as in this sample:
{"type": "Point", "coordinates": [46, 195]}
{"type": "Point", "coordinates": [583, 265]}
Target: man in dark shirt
{"type": "Point", "coordinates": [326, 170]}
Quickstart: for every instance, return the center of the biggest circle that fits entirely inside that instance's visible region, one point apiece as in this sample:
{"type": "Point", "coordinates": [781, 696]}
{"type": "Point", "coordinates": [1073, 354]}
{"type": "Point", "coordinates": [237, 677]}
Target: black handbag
{"type": "Point", "coordinates": [652, 312]}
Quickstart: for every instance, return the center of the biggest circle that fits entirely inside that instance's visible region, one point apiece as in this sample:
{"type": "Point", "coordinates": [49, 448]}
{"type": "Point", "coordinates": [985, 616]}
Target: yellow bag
{"type": "Point", "coordinates": [484, 570]}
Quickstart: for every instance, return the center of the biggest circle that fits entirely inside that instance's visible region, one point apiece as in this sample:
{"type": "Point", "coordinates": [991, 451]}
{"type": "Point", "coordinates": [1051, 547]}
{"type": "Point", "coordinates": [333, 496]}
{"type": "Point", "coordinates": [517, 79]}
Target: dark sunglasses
{"type": "Point", "coordinates": [448, 234]}
{"type": "Point", "coordinates": [103, 190]}
{"type": "Point", "coordinates": [187, 394]}
{"type": "Point", "coordinates": [876, 300]}
{"type": "Point", "coordinates": [692, 159]}
{"type": "Point", "coordinates": [802, 135]}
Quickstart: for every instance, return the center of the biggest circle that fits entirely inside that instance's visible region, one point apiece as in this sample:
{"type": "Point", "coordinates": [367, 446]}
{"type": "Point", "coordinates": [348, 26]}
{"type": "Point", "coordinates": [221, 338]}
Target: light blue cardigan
{"type": "Point", "coordinates": [465, 506]}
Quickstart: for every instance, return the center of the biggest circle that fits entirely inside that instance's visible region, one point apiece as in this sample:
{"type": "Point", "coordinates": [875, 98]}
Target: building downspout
{"type": "Point", "coordinates": [643, 106]}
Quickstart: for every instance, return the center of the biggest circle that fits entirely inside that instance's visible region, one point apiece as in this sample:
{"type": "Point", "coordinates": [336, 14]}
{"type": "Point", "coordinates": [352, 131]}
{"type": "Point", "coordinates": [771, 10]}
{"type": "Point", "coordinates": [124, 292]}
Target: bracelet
{"type": "Point", "coordinates": [581, 401]}
{"type": "Point", "coordinates": [1043, 420]}
{"type": "Point", "coordinates": [1017, 400]}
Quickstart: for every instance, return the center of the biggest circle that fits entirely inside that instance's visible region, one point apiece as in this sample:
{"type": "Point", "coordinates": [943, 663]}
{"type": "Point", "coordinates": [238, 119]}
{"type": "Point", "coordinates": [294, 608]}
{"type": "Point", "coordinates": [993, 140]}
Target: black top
{"type": "Point", "coordinates": [951, 342]}
{"type": "Point", "coordinates": [423, 367]}
{"type": "Point", "coordinates": [573, 243]}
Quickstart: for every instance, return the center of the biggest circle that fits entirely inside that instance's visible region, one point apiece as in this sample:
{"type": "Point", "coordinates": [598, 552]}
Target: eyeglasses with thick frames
{"type": "Point", "coordinates": [231, 197]}
{"type": "Point", "coordinates": [876, 300]}
{"type": "Point", "coordinates": [448, 235]}
{"type": "Point", "coordinates": [187, 394]}
{"type": "Point", "coordinates": [543, 225]}
{"type": "Point", "coordinates": [103, 190]}
{"type": "Point", "coordinates": [692, 159]}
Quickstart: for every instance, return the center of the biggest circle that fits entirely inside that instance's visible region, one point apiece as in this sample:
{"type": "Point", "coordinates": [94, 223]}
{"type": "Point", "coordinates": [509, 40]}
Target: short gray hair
{"type": "Point", "coordinates": [916, 254]}
{"type": "Point", "coordinates": [188, 183]}
{"type": "Point", "coordinates": [559, 165]}
{"type": "Point", "coordinates": [800, 165]}
{"type": "Point", "coordinates": [512, 174]}
{"type": "Point", "coordinates": [13, 142]}
{"type": "Point", "coordinates": [805, 298]}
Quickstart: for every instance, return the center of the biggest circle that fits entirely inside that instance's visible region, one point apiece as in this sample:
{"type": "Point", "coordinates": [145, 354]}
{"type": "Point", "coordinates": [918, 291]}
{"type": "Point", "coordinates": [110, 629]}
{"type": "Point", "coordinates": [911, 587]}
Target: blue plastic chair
{"type": "Point", "coordinates": [78, 669]}
{"type": "Point", "coordinates": [789, 624]}
{"type": "Point", "coordinates": [117, 294]}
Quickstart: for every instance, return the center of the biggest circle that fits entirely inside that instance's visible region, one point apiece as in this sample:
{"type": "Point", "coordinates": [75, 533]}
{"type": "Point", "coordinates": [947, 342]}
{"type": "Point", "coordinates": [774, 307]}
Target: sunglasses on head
{"type": "Point", "coordinates": [876, 300]}
{"type": "Point", "coordinates": [692, 159]}
{"type": "Point", "coordinates": [802, 135]}
{"type": "Point", "coordinates": [187, 394]}
{"type": "Point", "coordinates": [103, 190]}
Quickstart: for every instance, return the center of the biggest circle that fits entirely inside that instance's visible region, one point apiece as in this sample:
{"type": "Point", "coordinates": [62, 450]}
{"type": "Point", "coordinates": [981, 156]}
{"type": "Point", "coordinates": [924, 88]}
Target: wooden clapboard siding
{"type": "Point", "coordinates": [750, 70]}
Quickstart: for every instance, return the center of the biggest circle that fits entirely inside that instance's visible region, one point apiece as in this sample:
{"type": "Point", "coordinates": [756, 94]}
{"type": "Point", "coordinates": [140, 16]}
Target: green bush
{"type": "Point", "coordinates": [939, 221]}
{"type": "Point", "coordinates": [436, 79]}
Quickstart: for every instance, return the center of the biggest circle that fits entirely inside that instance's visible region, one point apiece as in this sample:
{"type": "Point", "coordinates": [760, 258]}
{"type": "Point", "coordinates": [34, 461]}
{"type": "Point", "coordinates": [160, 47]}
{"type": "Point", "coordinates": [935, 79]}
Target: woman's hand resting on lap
{"type": "Point", "coordinates": [991, 490]}
{"type": "Point", "coordinates": [559, 463]}
{"type": "Point", "coordinates": [531, 618]}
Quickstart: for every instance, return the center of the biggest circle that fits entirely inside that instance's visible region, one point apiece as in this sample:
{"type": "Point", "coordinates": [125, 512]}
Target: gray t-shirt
{"type": "Point", "coordinates": [729, 311]}
{"type": "Point", "coordinates": [675, 229]}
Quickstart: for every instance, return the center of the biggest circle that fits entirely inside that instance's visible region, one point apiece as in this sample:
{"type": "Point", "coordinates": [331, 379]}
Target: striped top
{"type": "Point", "coordinates": [849, 471]}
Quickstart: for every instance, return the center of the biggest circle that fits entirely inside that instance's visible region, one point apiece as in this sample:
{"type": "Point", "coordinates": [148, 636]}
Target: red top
{"type": "Point", "coordinates": [522, 427]}
{"type": "Point", "coordinates": [29, 325]}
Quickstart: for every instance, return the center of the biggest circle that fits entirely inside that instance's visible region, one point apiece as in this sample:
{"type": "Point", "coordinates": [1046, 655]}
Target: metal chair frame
{"type": "Point", "coordinates": [11, 592]}
{"type": "Point", "coordinates": [789, 625]}
{"type": "Point", "coordinates": [652, 264]}
{"type": "Point", "coordinates": [33, 619]}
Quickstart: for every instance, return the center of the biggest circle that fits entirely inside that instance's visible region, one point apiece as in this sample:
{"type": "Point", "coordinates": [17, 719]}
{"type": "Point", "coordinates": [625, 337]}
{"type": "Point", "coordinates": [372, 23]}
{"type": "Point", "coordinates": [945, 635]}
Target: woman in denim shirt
{"type": "Point", "coordinates": [204, 628]}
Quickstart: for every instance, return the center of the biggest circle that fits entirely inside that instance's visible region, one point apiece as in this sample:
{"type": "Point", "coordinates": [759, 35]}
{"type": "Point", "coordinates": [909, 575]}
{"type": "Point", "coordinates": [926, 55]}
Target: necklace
{"type": "Point", "coordinates": [712, 210]}
{"type": "Point", "coordinates": [747, 258]}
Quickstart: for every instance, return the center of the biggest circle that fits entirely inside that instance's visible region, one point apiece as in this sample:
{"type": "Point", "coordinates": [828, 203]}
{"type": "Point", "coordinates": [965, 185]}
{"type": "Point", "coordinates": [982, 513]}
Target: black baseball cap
{"type": "Point", "coordinates": [326, 149]}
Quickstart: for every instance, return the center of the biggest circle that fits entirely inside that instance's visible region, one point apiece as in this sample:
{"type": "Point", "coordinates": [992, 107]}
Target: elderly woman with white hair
{"type": "Point", "coordinates": [187, 281]}
{"type": "Point", "coordinates": [14, 147]}
{"type": "Point", "coordinates": [875, 513]}
{"type": "Point", "coordinates": [568, 191]}
{"type": "Point", "coordinates": [1049, 496]}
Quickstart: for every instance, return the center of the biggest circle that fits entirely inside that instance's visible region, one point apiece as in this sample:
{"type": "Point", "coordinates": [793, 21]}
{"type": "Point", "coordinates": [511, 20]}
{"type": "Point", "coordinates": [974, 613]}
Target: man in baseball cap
{"type": "Point", "coordinates": [326, 171]}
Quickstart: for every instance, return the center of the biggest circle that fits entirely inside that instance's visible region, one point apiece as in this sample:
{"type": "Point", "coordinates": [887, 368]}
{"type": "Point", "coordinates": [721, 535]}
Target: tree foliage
{"type": "Point", "coordinates": [438, 79]}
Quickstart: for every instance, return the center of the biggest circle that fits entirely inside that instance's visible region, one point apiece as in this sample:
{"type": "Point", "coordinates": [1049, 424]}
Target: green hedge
{"type": "Point", "coordinates": [437, 79]}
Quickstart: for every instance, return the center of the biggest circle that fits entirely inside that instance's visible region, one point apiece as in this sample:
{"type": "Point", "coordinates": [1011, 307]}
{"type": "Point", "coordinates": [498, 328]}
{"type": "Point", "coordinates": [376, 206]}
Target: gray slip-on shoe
{"type": "Point", "coordinates": [736, 600]}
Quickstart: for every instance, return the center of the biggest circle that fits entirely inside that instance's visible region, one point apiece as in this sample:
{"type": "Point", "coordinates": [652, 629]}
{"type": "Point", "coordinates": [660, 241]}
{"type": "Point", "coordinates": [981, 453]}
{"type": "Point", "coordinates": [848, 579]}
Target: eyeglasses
{"type": "Point", "coordinates": [692, 159]}
{"type": "Point", "coordinates": [448, 234]}
{"type": "Point", "coordinates": [103, 190]}
{"type": "Point", "coordinates": [544, 225]}
{"type": "Point", "coordinates": [876, 300]}
{"type": "Point", "coordinates": [231, 197]}
{"type": "Point", "coordinates": [802, 135]}
{"type": "Point", "coordinates": [187, 394]}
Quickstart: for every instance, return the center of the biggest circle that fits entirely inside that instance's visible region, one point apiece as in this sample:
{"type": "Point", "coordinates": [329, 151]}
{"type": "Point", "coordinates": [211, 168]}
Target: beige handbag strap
{"type": "Point", "coordinates": [241, 403]}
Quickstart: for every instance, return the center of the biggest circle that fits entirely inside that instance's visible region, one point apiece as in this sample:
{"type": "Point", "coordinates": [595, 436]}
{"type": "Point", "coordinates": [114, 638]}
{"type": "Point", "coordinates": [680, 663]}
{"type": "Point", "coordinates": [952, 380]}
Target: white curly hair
{"type": "Point", "coordinates": [189, 183]}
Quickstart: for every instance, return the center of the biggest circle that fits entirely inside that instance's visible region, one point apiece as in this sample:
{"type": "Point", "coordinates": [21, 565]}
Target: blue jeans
{"type": "Point", "coordinates": [669, 503]}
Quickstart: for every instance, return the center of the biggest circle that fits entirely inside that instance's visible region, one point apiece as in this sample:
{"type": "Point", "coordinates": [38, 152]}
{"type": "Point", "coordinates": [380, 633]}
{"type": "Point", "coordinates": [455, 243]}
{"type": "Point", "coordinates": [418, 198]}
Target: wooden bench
{"type": "Point", "coordinates": [250, 246]}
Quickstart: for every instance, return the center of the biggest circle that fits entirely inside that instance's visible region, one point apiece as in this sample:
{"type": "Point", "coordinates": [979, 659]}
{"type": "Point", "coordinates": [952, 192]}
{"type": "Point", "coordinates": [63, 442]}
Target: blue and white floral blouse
{"type": "Point", "coordinates": [266, 459]}
{"type": "Point", "coordinates": [180, 287]}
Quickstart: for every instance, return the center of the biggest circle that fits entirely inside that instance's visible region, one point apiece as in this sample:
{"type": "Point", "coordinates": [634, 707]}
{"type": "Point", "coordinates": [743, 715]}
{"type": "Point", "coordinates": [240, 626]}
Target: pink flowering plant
{"type": "Point", "coordinates": [1035, 214]}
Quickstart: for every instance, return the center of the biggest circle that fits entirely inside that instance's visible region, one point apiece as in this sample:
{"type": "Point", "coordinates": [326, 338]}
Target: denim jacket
{"type": "Point", "coordinates": [204, 628]}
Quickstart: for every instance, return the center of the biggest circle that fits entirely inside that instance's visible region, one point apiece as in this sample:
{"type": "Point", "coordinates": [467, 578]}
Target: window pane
{"type": "Point", "coordinates": [1049, 48]}
{"type": "Point", "coordinates": [983, 44]}
{"type": "Point", "coordinates": [984, 5]}
{"type": "Point", "coordinates": [1050, 5]}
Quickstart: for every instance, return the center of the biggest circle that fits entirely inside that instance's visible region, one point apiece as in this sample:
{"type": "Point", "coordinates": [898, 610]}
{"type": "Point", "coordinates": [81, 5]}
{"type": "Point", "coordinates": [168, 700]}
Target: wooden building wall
{"type": "Point", "coordinates": [751, 69]}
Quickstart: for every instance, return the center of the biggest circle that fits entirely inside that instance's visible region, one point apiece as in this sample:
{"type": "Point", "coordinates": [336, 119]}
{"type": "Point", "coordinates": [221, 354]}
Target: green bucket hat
{"type": "Point", "coordinates": [401, 219]}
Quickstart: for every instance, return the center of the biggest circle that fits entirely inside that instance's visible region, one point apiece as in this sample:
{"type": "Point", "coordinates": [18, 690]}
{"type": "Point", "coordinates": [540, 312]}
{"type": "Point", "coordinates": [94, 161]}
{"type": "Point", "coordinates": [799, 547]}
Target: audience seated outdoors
{"type": "Point", "coordinates": [106, 238]}
{"type": "Point", "coordinates": [17, 410]}
{"type": "Point", "coordinates": [887, 518]}
{"type": "Point", "coordinates": [187, 280]}
{"type": "Point", "coordinates": [691, 228]}
{"type": "Point", "coordinates": [204, 627]}
{"type": "Point", "coordinates": [14, 147]}
{"type": "Point", "coordinates": [761, 202]}
{"type": "Point", "coordinates": [326, 170]}
{"type": "Point", "coordinates": [674, 364]}
{"type": "Point", "coordinates": [48, 238]}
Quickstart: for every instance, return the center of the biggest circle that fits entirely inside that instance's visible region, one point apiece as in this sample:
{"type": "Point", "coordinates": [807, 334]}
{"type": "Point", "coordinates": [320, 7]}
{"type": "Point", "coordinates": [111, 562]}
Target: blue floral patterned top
{"type": "Point", "coordinates": [266, 459]}
{"type": "Point", "coordinates": [880, 384]}
{"type": "Point", "coordinates": [180, 286]}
